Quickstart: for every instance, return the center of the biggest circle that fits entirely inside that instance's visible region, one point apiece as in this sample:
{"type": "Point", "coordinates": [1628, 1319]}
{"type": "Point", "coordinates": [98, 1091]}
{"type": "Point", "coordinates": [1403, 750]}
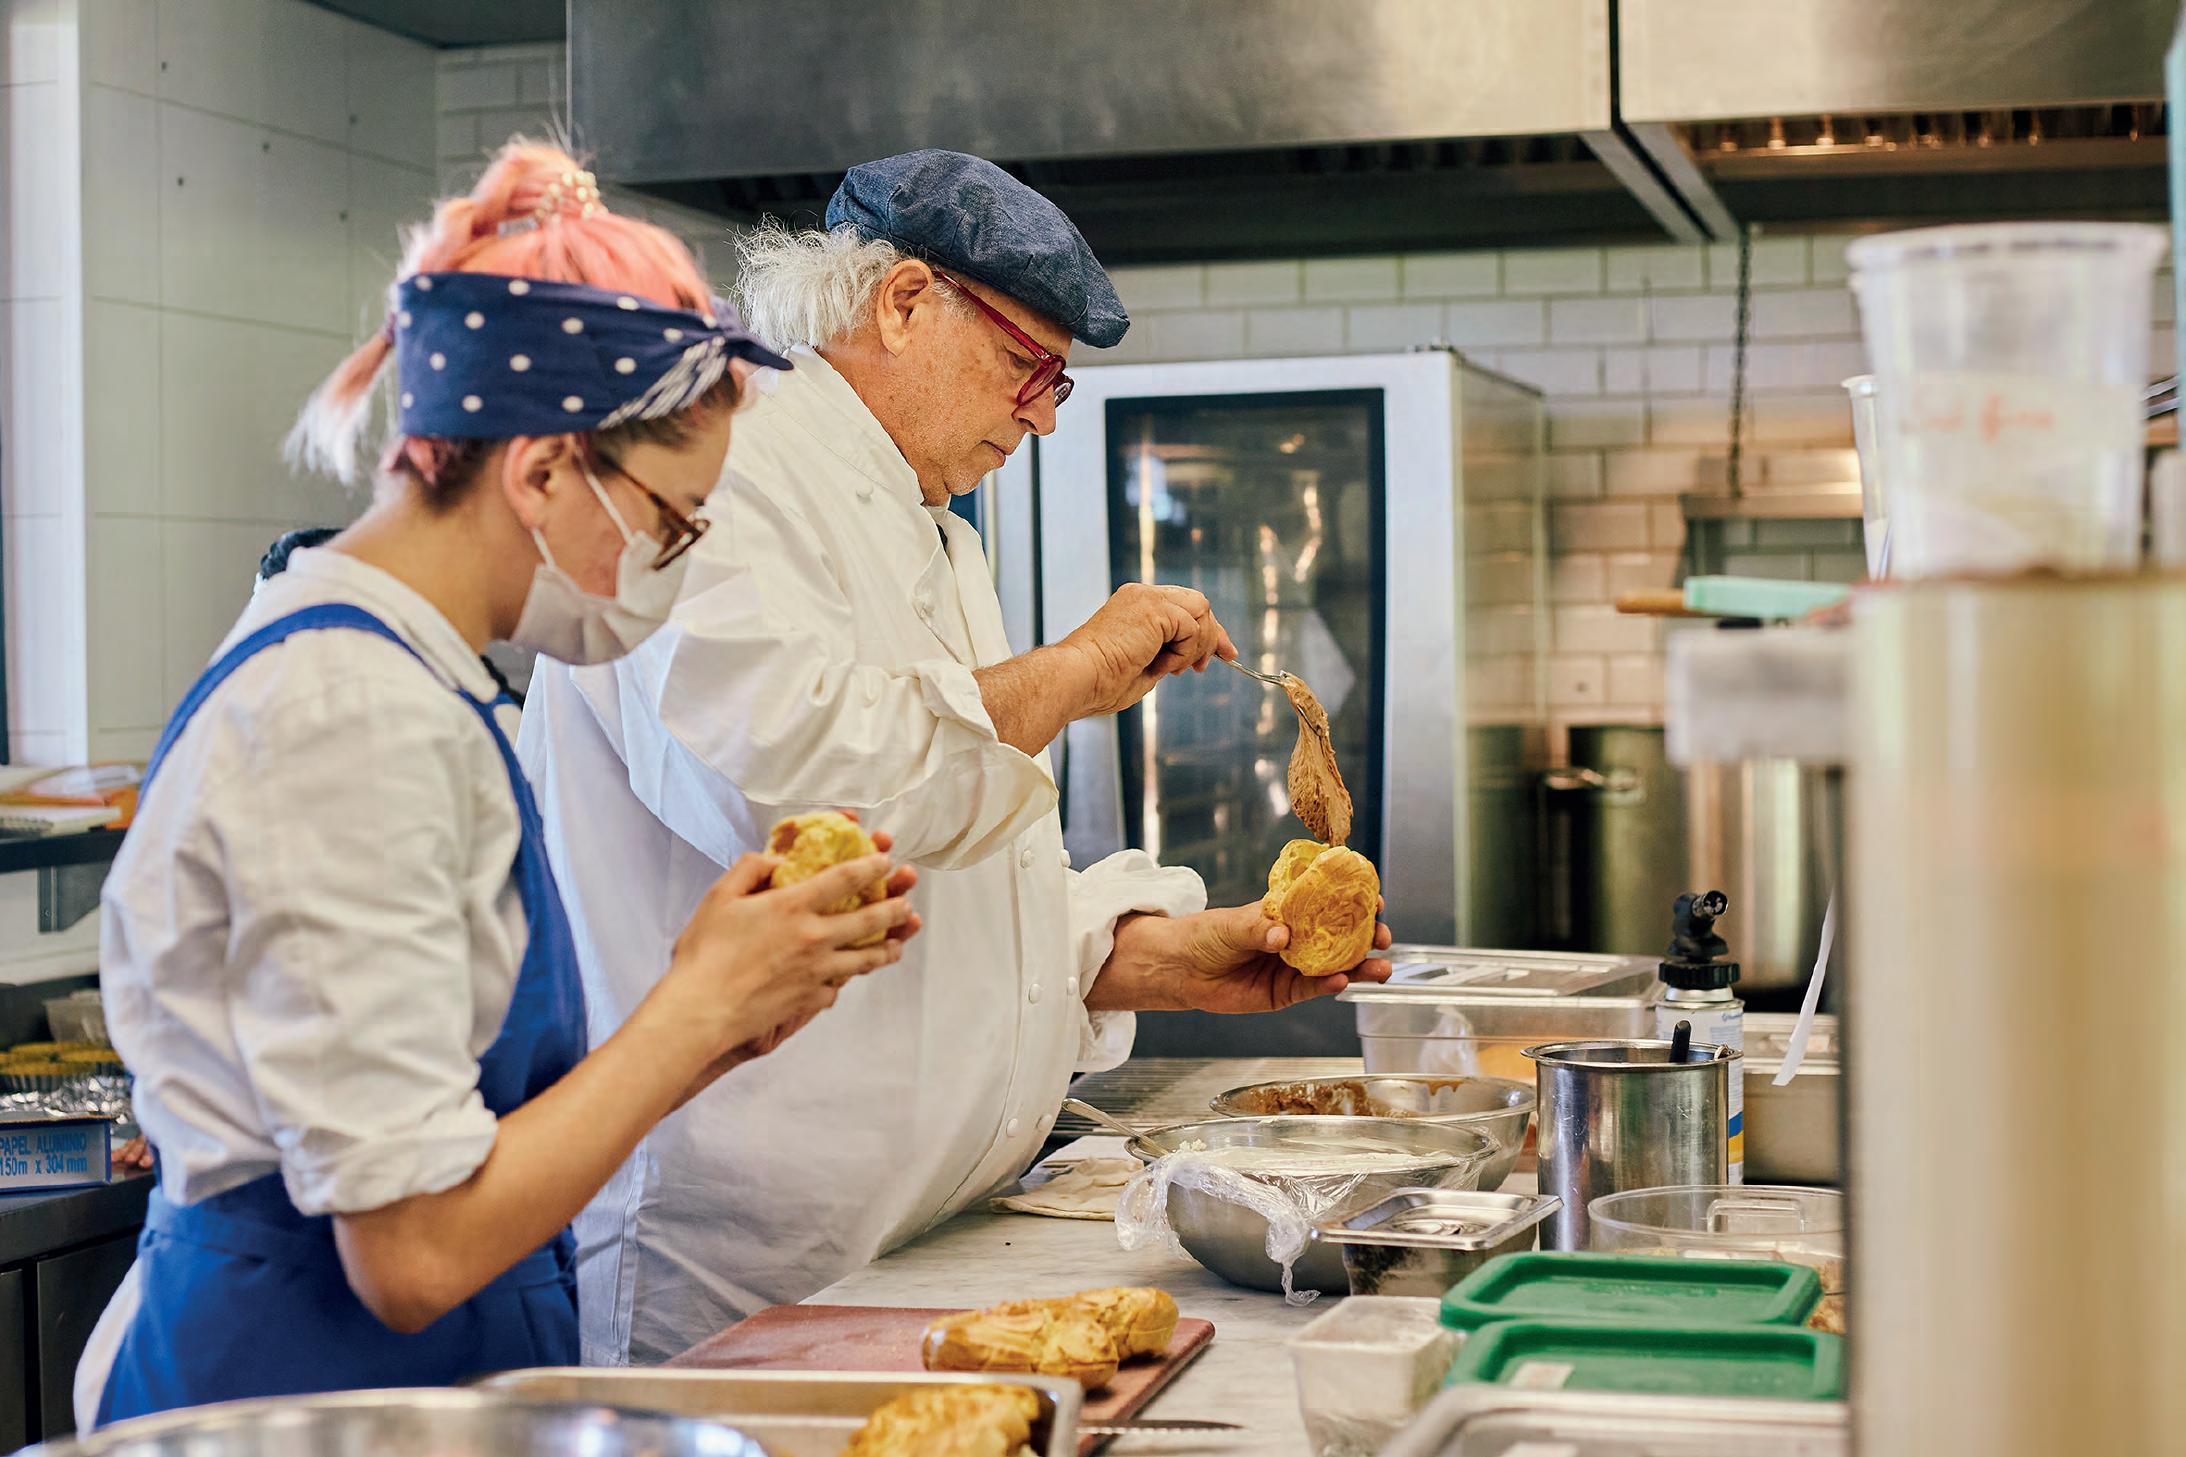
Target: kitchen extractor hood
{"type": "Point", "coordinates": [1184, 129]}
{"type": "Point", "coordinates": [1894, 112]}
{"type": "Point", "coordinates": [1168, 128]}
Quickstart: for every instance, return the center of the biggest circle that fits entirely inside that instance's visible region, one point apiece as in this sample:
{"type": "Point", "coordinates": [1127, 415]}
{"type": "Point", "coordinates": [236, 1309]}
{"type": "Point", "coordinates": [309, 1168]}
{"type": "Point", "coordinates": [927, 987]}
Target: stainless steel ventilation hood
{"type": "Point", "coordinates": [1887, 112]}
{"type": "Point", "coordinates": [1179, 129]}
{"type": "Point", "coordinates": [674, 89]}
{"type": "Point", "coordinates": [1168, 128]}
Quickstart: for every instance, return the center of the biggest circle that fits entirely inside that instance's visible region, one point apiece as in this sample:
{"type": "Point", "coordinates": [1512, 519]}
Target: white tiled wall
{"type": "Point", "coordinates": [1634, 348]}
{"type": "Point", "coordinates": [198, 212]}
{"type": "Point", "coordinates": [489, 94]}
{"type": "Point", "coordinates": [246, 165]}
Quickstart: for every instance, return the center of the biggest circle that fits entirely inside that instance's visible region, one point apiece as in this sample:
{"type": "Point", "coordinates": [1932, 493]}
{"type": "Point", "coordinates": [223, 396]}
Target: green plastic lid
{"type": "Point", "coordinates": [1759, 1362]}
{"type": "Point", "coordinates": [1633, 1290]}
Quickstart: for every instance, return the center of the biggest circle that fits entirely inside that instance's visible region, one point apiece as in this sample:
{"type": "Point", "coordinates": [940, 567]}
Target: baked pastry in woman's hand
{"type": "Point", "coordinates": [810, 843]}
{"type": "Point", "coordinates": [1329, 897]}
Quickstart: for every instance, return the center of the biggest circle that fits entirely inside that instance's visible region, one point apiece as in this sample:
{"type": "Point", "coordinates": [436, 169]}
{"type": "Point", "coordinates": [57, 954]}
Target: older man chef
{"type": "Point", "coordinates": [839, 643]}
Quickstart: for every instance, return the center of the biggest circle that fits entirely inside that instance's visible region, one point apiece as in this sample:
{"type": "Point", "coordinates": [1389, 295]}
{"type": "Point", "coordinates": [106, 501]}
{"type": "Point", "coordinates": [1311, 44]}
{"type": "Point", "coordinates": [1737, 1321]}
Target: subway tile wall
{"type": "Point", "coordinates": [1634, 349]}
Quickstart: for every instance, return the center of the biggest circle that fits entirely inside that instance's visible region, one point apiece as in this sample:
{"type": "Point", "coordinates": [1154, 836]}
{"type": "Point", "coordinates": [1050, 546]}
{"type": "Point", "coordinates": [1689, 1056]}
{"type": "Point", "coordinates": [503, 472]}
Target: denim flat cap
{"type": "Point", "coordinates": [966, 214]}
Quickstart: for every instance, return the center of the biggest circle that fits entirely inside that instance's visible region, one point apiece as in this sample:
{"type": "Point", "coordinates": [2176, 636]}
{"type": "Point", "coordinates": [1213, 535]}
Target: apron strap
{"type": "Point", "coordinates": [307, 619]}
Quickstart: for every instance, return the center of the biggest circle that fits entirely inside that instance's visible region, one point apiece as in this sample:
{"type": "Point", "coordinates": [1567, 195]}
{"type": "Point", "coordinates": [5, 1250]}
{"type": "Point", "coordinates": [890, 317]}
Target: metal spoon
{"type": "Point", "coordinates": [1112, 1123]}
{"type": "Point", "coordinates": [1274, 680]}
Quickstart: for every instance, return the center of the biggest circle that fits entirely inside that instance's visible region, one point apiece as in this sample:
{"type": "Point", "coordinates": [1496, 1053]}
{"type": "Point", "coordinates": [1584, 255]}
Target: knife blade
{"type": "Point", "coordinates": [1152, 1424]}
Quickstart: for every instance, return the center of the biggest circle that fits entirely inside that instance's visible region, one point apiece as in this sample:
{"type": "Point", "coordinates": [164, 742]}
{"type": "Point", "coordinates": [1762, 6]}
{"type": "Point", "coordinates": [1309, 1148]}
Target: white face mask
{"type": "Point", "coordinates": [564, 621]}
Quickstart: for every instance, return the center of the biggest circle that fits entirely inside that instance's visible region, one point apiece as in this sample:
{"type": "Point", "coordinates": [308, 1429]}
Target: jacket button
{"type": "Point", "coordinates": [1047, 1121]}
{"type": "Point", "coordinates": [865, 490]}
{"type": "Point", "coordinates": [1016, 1126]}
{"type": "Point", "coordinates": [924, 601]}
{"type": "Point", "coordinates": [1025, 858]}
{"type": "Point", "coordinates": [1032, 994]}
{"type": "Point", "coordinates": [1071, 986]}
{"type": "Point", "coordinates": [1066, 858]}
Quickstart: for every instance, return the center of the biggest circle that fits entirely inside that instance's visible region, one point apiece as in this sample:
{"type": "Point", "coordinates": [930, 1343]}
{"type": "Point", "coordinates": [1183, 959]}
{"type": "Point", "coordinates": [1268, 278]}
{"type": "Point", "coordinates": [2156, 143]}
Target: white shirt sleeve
{"type": "Point", "coordinates": [1126, 883]}
{"type": "Point", "coordinates": [354, 1001]}
{"type": "Point", "coordinates": [757, 682]}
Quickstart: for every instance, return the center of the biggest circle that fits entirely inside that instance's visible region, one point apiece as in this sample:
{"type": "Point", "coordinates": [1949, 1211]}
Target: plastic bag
{"type": "Point", "coordinates": [1290, 1189]}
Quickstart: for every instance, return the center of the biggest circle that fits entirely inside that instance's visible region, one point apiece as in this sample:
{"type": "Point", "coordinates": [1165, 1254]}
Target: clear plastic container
{"type": "Point", "coordinates": [2009, 363]}
{"type": "Point", "coordinates": [1366, 1368]}
{"type": "Point", "coordinates": [1454, 1010]}
{"type": "Point", "coordinates": [1874, 504]}
{"type": "Point", "coordinates": [1733, 1222]}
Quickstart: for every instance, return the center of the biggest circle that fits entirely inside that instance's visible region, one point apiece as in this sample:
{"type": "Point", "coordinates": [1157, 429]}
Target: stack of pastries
{"type": "Point", "coordinates": [1084, 1337]}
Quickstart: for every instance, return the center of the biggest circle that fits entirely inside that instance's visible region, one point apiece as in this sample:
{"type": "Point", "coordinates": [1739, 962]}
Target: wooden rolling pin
{"type": "Point", "coordinates": [1669, 602]}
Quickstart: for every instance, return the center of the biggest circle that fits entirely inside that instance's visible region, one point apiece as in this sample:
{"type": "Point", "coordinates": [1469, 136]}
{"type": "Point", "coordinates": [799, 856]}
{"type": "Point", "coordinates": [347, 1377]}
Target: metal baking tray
{"type": "Point", "coordinates": [790, 1413]}
{"type": "Point", "coordinates": [1495, 1421]}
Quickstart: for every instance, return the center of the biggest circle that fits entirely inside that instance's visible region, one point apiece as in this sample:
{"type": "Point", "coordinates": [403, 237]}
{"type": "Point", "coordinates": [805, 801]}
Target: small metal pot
{"type": "Point", "coordinates": [1498, 1107]}
{"type": "Point", "coordinates": [1622, 1115]}
{"type": "Point", "coordinates": [1231, 1239]}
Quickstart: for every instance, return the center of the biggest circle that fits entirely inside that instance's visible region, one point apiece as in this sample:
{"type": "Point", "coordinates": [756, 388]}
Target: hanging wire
{"type": "Point", "coordinates": [1738, 360]}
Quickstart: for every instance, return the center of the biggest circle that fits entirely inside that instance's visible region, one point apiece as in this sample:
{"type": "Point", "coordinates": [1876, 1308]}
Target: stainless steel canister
{"type": "Point", "coordinates": [1619, 1115]}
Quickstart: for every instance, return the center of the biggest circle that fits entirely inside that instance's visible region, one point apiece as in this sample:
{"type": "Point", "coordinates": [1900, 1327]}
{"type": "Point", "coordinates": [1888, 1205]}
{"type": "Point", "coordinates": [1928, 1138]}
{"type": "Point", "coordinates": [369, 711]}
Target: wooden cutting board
{"type": "Point", "coordinates": [886, 1338]}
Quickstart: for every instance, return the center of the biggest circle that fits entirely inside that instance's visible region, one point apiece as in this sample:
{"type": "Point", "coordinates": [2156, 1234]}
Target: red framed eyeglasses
{"type": "Point", "coordinates": [1047, 369]}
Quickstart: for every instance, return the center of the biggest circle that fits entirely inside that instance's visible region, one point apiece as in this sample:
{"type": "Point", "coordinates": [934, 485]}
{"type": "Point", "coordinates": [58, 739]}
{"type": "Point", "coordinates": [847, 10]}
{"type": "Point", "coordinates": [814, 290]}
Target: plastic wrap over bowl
{"type": "Point", "coordinates": [1241, 1195]}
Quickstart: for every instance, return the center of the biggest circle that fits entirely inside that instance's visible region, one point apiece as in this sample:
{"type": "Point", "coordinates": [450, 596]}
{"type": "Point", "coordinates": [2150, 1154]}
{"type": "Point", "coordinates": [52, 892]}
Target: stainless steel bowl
{"type": "Point", "coordinates": [421, 1423]}
{"type": "Point", "coordinates": [1498, 1107]}
{"type": "Point", "coordinates": [1231, 1239]}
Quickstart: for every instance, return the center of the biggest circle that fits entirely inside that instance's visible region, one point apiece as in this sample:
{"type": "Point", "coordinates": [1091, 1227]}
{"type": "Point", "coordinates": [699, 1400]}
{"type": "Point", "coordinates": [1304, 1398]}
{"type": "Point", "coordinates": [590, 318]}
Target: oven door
{"type": "Point", "coordinates": [1314, 502]}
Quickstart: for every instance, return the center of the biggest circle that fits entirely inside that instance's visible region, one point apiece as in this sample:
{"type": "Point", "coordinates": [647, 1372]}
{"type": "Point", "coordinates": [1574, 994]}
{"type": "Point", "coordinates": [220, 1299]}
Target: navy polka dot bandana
{"type": "Point", "coordinates": [489, 356]}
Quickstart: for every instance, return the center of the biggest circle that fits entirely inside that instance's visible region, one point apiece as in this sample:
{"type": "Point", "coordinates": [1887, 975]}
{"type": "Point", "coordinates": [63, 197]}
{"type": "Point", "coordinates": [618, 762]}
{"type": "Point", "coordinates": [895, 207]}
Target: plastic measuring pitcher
{"type": "Point", "coordinates": [2009, 361]}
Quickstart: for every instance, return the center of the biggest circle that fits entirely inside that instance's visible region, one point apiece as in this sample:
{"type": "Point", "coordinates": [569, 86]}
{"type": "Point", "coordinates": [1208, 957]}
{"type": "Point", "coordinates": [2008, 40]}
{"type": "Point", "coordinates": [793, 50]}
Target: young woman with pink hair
{"type": "Point", "coordinates": [335, 956]}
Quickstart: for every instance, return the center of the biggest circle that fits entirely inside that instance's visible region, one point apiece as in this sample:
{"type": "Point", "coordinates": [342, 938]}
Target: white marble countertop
{"type": "Point", "coordinates": [981, 1259]}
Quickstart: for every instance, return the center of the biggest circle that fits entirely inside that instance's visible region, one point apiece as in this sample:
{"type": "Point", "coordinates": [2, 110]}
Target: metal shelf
{"type": "Point", "coordinates": [71, 871]}
{"type": "Point", "coordinates": [47, 852]}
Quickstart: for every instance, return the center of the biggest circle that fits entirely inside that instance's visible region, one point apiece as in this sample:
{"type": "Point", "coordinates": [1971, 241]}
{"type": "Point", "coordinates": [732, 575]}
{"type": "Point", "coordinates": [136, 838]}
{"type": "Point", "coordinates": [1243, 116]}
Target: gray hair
{"type": "Point", "coordinates": [810, 288]}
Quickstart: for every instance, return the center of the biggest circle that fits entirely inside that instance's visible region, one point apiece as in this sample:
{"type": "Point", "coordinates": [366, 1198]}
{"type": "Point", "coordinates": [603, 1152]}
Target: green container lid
{"type": "Point", "coordinates": [1642, 1290]}
{"type": "Point", "coordinates": [1760, 1362]}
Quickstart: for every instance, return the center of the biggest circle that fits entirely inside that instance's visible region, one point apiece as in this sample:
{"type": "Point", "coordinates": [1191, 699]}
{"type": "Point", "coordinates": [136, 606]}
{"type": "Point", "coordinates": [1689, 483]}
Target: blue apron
{"type": "Point", "coordinates": [244, 1296]}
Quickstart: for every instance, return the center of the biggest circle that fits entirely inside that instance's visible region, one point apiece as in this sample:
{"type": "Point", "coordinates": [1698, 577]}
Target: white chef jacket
{"type": "Point", "coordinates": [312, 933]}
{"type": "Point", "coordinates": [821, 657]}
